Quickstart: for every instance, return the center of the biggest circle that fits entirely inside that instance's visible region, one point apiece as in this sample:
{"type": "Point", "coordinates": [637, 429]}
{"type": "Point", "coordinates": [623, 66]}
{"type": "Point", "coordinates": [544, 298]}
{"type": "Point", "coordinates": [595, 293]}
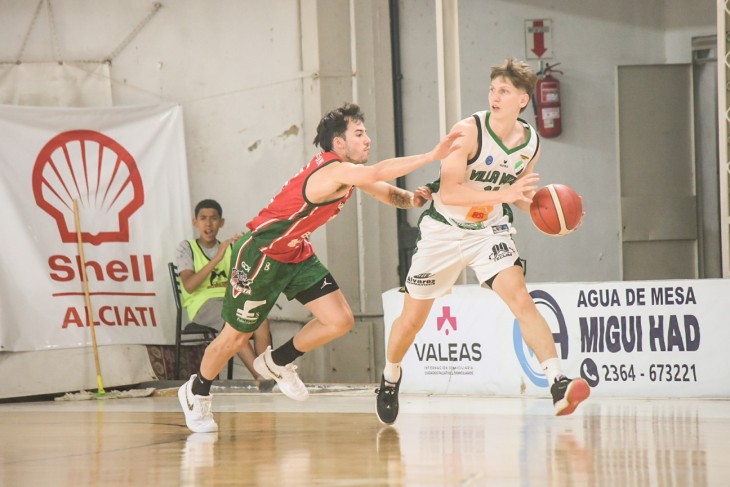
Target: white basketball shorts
{"type": "Point", "coordinates": [443, 251]}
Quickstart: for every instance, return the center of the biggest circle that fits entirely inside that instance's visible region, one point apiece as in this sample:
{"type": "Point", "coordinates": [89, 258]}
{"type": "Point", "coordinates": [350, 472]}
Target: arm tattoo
{"type": "Point", "coordinates": [401, 198]}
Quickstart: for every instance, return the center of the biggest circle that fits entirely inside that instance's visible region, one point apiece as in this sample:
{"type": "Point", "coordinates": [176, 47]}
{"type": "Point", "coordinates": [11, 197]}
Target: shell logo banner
{"type": "Point", "coordinates": [127, 171]}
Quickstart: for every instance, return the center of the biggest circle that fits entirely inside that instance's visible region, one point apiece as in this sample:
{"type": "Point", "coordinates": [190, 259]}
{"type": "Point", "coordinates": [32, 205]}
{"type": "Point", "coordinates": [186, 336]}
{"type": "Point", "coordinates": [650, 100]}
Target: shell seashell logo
{"type": "Point", "coordinates": [100, 174]}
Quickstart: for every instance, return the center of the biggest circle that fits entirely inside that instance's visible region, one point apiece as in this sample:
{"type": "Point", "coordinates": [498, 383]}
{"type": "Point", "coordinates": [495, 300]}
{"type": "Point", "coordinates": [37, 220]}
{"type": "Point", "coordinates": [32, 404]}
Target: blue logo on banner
{"type": "Point", "coordinates": [535, 376]}
{"type": "Point", "coordinates": [524, 354]}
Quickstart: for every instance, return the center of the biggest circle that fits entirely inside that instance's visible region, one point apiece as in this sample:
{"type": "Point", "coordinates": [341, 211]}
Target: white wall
{"type": "Point", "coordinates": [235, 68]}
{"type": "Point", "coordinates": [682, 22]}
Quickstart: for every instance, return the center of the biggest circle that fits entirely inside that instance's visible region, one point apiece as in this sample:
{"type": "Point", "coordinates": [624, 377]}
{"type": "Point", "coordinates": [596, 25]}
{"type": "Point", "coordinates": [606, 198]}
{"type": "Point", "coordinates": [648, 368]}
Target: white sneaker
{"type": "Point", "coordinates": [285, 376]}
{"type": "Point", "coordinates": [197, 409]}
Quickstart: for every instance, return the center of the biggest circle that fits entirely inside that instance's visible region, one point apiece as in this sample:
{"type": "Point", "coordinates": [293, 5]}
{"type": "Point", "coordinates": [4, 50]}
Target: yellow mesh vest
{"type": "Point", "coordinates": [213, 287]}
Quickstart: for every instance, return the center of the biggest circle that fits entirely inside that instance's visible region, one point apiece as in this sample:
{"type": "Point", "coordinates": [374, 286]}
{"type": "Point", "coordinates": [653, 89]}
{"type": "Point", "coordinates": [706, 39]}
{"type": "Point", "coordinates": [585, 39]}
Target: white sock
{"type": "Point", "coordinates": [391, 372]}
{"type": "Point", "coordinates": [552, 369]}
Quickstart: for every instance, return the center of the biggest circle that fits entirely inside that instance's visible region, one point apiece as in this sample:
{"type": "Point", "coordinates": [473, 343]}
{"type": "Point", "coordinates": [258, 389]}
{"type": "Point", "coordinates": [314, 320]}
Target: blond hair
{"type": "Point", "coordinates": [519, 73]}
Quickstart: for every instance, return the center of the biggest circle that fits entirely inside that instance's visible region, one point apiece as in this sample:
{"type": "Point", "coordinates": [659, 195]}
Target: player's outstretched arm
{"type": "Point", "coordinates": [359, 174]}
{"type": "Point", "coordinates": [398, 197]}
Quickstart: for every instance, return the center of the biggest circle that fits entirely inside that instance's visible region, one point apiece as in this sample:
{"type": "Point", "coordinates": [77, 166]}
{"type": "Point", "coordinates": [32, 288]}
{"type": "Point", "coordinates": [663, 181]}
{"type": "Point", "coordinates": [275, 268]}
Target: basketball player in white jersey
{"type": "Point", "coordinates": [470, 224]}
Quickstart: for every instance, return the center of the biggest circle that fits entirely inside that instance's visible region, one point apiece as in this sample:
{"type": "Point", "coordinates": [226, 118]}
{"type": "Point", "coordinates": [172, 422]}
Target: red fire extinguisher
{"type": "Point", "coordinates": [547, 101]}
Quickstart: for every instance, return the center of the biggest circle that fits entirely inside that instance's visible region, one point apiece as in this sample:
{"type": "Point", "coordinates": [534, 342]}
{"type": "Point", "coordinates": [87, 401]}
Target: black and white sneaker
{"type": "Point", "coordinates": [568, 393]}
{"type": "Point", "coordinates": [386, 403]}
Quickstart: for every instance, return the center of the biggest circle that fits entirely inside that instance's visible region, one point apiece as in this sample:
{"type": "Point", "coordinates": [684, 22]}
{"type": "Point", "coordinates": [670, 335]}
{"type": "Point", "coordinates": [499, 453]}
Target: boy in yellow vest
{"type": "Point", "coordinates": [204, 268]}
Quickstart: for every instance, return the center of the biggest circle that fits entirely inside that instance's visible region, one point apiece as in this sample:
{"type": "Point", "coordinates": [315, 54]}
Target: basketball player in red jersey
{"type": "Point", "coordinates": [275, 257]}
{"type": "Point", "coordinates": [470, 224]}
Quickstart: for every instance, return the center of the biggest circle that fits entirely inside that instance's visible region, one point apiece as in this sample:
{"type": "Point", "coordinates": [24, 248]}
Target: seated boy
{"type": "Point", "coordinates": [203, 265]}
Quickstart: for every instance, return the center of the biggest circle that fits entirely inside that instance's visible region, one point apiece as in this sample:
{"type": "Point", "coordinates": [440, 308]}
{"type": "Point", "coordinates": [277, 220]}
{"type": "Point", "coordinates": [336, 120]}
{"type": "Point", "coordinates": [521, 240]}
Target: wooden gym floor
{"type": "Point", "coordinates": [335, 439]}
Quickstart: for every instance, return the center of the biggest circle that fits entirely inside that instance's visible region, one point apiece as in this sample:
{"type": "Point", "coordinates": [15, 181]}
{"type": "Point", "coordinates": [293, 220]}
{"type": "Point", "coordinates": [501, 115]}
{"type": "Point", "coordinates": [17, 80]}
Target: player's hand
{"type": "Point", "coordinates": [231, 240]}
{"type": "Point", "coordinates": [421, 195]}
{"type": "Point", "coordinates": [522, 190]}
{"type": "Point", "coordinates": [224, 246]}
{"type": "Point", "coordinates": [446, 146]}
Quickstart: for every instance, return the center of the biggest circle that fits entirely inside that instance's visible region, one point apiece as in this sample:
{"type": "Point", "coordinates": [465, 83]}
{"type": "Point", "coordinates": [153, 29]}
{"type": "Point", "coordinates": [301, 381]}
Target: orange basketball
{"type": "Point", "coordinates": [556, 209]}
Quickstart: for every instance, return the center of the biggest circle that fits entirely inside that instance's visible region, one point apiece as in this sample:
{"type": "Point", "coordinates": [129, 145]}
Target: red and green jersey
{"type": "Point", "coordinates": [282, 229]}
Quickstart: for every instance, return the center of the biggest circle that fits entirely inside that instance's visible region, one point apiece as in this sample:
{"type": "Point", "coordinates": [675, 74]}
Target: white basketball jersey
{"type": "Point", "coordinates": [493, 166]}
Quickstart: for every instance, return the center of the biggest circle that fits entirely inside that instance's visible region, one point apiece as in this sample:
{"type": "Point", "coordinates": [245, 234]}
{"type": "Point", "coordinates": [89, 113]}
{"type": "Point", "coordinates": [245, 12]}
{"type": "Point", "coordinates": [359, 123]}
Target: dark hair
{"type": "Point", "coordinates": [212, 204]}
{"type": "Point", "coordinates": [334, 124]}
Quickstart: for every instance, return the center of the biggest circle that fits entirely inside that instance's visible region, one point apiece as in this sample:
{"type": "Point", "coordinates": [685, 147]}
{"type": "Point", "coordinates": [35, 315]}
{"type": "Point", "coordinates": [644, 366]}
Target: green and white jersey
{"type": "Point", "coordinates": [492, 167]}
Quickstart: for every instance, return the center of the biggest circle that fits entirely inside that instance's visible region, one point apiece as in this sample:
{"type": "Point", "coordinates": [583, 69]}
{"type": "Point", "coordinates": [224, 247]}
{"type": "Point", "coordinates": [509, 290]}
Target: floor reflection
{"type": "Point", "coordinates": [337, 440]}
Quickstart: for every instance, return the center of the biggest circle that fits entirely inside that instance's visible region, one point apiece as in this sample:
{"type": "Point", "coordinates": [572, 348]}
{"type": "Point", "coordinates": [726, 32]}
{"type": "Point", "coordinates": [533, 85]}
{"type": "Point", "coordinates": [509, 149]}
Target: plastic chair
{"type": "Point", "coordinates": [192, 333]}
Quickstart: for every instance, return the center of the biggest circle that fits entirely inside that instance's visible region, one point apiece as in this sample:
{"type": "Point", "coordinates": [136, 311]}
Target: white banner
{"type": "Point", "coordinates": [636, 339]}
{"type": "Point", "coordinates": [126, 168]}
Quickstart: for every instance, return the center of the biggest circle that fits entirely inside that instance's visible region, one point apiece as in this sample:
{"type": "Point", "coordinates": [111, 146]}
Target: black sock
{"type": "Point", "coordinates": [201, 385]}
{"type": "Point", "coordinates": [286, 353]}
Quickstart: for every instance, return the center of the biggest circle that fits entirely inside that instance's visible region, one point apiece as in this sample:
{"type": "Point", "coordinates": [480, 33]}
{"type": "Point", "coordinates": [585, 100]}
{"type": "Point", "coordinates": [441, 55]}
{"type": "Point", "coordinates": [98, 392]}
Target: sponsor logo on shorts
{"type": "Point", "coordinates": [424, 279]}
{"type": "Point", "coordinates": [246, 314]}
{"type": "Point", "coordinates": [500, 251]}
{"type": "Point", "coordinates": [240, 282]}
